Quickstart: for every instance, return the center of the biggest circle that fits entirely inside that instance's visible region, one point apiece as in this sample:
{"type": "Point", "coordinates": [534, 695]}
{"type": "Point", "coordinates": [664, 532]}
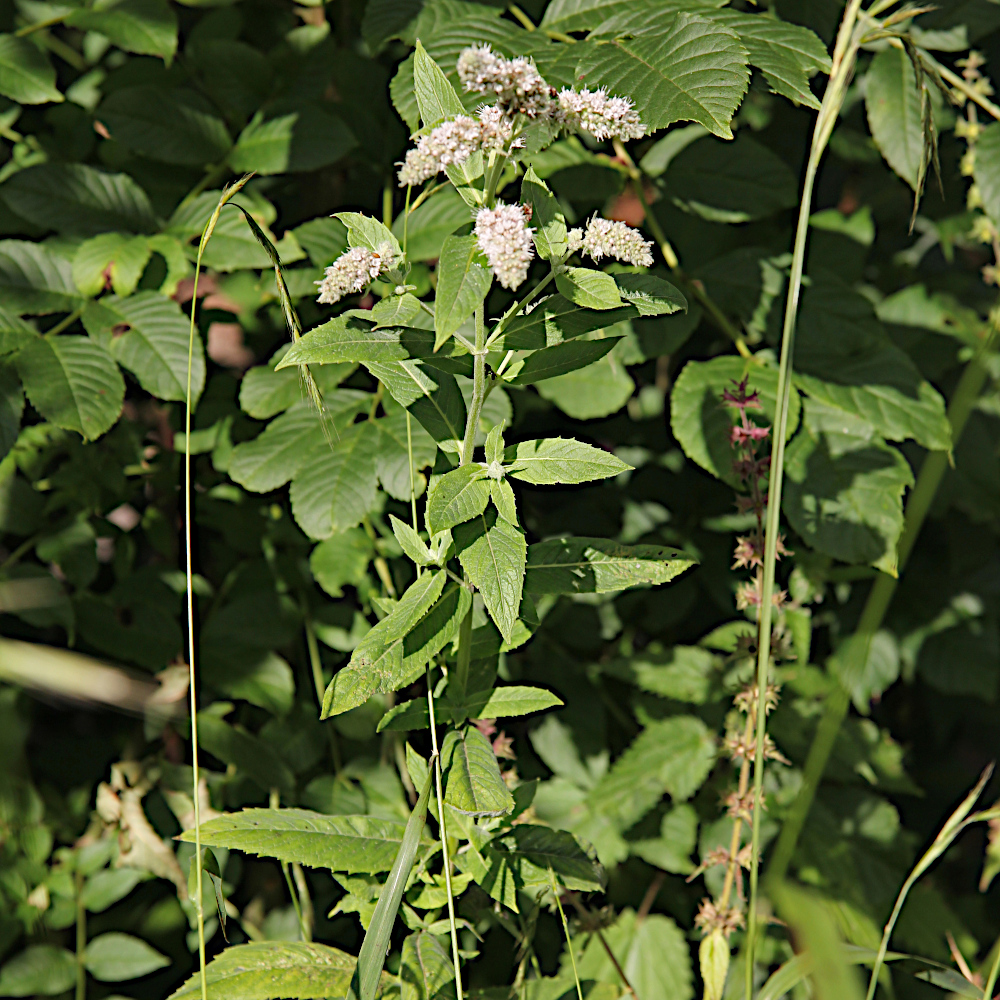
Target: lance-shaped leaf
{"type": "Point", "coordinates": [435, 630]}
{"type": "Point", "coordinates": [115, 957]}
{"type": "Point", "coordinates": [339, 843]}
{"type": "Point", "coordinates": [148, 334]}
{"type": "Point", "coordinates": [377, 661]}
{"type": "Point", "coordinates": [268, 969]}
{"type": "Point", "coordinates": [503, 499]}
{"type": "Point", "coordinates": [335, 488]}
{"type": "Point", "coordinates": [893, 106]}
{"type": "Point", "coordinates": [546, 217]}
{"type": "Point", "coordinates": [472, 781]}
{"type": "Point", "coordinates": [433, 397]}
{"type": "Point", "coordinates": [425, 967]}
{"type": "Point", "coordinates": [456, 497]}
{"type": "Point", "coordinates": [73, 382]}
{"type": "Point", "coordinates": [492, 551]}
{"type": "Point", "coordinates": [556, 319]}
{"type": "Point", "coordinates": [504, 703]}
{"type": "Point", "coordinates": [349, 338]}
{"type": "Point", "coordinates": [688, 69]}
{"type": "Point", "coordinates": [436, 97]}
{"type": "Point", "coordinates": [589, 288]}
{"type": "Point", "coordinates": [987, 169]}
{"type": "Point", "coordinates": [410, 542]}
{"type": "Point", "coordinates": [560, 460]}
{"type": "Point", "coordinates": [650, 295]}
{"type": "Point", "coordinates": [553, 361]}
{"type": "Point", "coordinates": [598, 566]}
{"type": "Point", "coordinates": [464, 278]}
{"type": "Point", "coordinates": [375, 946]}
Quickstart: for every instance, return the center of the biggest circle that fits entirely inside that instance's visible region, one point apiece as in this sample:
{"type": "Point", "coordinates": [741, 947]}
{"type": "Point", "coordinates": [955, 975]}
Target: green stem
{"type": "Point", "coordinates": [81, 941]}
{"type": "Point", "coordinates": [519, 305]}
{"type": "Point", "coordinates": [992, 981]}
{"type": "Point", "coordinates": [30, 29]}
{"type": "Point", "coordinates": [478, 389]}
{"type": "Point", "coordinates": [842, 67]}
{"type": "Point", "coordinates": [65, 322]}
{"type": "Point", "coordinates": [969, 387]}
{"type": "Point", "coordinates": [443, 831]}
{"type": "Point", "coordinates": [316, 667]}
{"type": "Point", "coordinates": [569, 940]}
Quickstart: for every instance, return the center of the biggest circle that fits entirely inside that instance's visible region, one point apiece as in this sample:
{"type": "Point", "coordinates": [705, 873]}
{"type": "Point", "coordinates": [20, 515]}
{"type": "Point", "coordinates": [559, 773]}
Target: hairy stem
{"type": "Point", "coordinates": [842, 67]}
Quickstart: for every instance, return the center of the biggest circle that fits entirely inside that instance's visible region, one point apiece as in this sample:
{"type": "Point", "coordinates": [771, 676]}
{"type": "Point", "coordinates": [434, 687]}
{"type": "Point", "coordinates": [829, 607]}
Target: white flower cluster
{"type": "Point", "coordinates": [518, 87]}
{"type": "Point", "coordinates": [454, 141]}
{"type": "Point", "coordinates": [605, 238]}
{"type": "Point", "coordinates": [602, 116]}
{"type": "Point", "coordinates": [505, 238]}
{"type": "Point", "coordinates": [352, 271]}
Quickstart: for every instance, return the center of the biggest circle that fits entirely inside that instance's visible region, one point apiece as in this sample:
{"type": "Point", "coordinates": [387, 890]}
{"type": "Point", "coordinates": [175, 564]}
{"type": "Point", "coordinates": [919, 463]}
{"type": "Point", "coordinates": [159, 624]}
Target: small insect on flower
{"type": "Point", "coordinates": [505, 238]}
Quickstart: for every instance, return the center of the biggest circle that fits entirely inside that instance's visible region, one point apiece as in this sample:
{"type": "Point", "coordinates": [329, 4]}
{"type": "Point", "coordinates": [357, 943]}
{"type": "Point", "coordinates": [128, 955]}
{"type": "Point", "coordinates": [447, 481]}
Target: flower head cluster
{"type": "Point", "coordinates": [352, 271]}
{"type": "Point", "coordinates": [453, 142]}
{"type": "Point", "coordinates": [602, 116]}
{"type": "Point", "coordinates": [724, 918]}
{"type": "Point", "coordinates": [505, 238]}
{"type": "Point", "coordinates": [606, 238]}
{"type": "Point", "coordinates": [515, 83]}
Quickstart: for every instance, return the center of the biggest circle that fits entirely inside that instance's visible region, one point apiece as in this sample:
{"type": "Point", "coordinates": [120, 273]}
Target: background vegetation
{"type": "Point", "coordinates": [120, 124]}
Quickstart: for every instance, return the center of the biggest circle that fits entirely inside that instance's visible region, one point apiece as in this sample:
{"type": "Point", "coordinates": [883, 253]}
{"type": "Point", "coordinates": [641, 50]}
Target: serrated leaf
{"type": "Point", "coordinates": [550, 362]}
{"type": "Point", "coordinates": [410, 542]}
{"type": "Point", "coordinates": [547, 218]}
{"type": "Point", "coordinates": [588, 288]}
{"type": "Point", "coordinates": [26, 75]}
{"type": "Point", "coordinates": [379, 663]}
{"type": "Point", "coordinates": [503, 499]}
{"type": "Point", "coordinates": [351, 339]}
{"type": "Point", "coordinates": [597, 390]}
{"type": "Point", "coordinates": [334, 488]}
{"type": "Point", "coordinates": [436, 97]}
{"type": "Point", "coordinates": [844, 491]}
{"type": "Point", "coordinates": [893, 107]}
{"type": "Point", "coordinates": [364, 231]}
{"type": "Point", "coordinates": [35, 280]}
{"type": "Point", "coordinates": [172, 126]}
{"type": "Point", "coordinates": [650, 295]}
{"type": "Point", "coordinates": [987, 169]}
{"type": "Point", "coordinates": [533, 851]}
{"type": "Point", "coordinates": [464, 278]}
{"type": "Point", "coordinates": [598, 566]}
{"type": "Point", "coordinates": [114, 957]}
{"type": "Point", "coordinates": [446, 27]}
{"type": "Point", "coordinates": [425, 968]}
{"type": "Point", "coordinates": [672, 755]}
{"type": "Point", "coordinates": [306, 139]}
{"type": "Point", "coordinates": [701, 422]}
{"type": "Point", "coordinates": [844, 359]}
{"type": "Point", "coordinates": [267, 969]}
{"type": "Point", "coordinates": [583, 15]}
{"type": "Point", "coordinates": [549, 461]}
{"type": "Point", "coordinates": [145, 27]}
{"type": "Point", "coordinates": [433, 397]}
{"type": "Point", "coordinates": [73, 382]}
{"type": "Point", "coordinates": [473, 784]}
{"type": "Point", "coordinates": [689, 69]}
{"type": "Point", "coordinates": [11, 408]}
{"type": "Point", "coordinates": [457, 496]}
{"type": "Point", "coordinates": [338, 843]}
{"type": "Point", "coordinates": [148, 334]}
{"type": "Point", "coordinates": [492, 552]}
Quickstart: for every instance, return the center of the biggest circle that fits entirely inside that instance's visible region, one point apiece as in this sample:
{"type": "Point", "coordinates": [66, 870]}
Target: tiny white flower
{"type": "Point", "coordinates": [505, 238]}
{"type": "Point", "coordinates": [602, 116]}
{"type": "Point", "coordinates": [517, 85]}
{"type": "Point", "coordinates": [449, 143]}
{"type": "Point", "coordinates": [606, 238]}
{"type": "Point", "coordinates": [352, 271]}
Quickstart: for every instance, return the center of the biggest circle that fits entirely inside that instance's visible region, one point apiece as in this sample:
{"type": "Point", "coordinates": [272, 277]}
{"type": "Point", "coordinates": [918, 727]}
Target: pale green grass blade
{"type": "Point", "coordinates": [376, 943]}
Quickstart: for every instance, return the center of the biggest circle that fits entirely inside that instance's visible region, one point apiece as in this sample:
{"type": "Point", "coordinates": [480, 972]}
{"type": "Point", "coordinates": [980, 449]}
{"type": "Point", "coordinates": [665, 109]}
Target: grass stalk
{"type": "Point", "coordinates": [443, 833]}
{"type": "Point", "coordinates": [845, 51]}
{"type": "Point", "coordinates": [569, 940]}
{"type": "Point", "coordinates": [189, 582]}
